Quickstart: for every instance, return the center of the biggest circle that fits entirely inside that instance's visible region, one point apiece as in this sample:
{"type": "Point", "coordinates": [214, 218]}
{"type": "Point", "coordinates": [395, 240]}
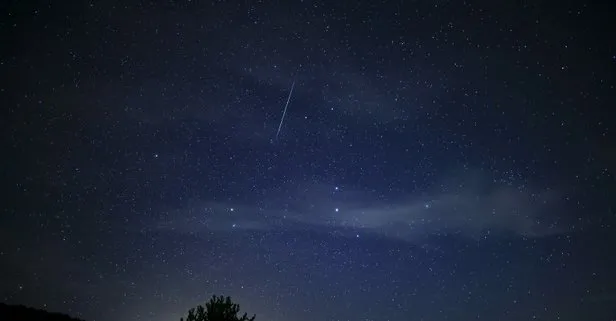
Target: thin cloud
{"type": "Point", "coordinates": [470, 209]}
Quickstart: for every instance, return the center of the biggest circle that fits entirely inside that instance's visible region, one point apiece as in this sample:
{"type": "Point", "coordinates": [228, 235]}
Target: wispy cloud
{"type": "Point", "coordinates": [472, 208]}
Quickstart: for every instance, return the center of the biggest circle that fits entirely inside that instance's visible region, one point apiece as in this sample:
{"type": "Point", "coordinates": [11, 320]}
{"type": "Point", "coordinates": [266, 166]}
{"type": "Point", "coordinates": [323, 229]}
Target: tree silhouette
{"type": "Point", "coordinates": [219, 308]}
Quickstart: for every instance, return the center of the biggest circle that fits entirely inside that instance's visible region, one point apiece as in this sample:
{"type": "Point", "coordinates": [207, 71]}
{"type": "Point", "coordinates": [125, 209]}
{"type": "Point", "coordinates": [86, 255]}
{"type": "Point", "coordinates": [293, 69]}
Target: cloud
{"type": "Point", "coordinates": [468, 212]}
{"type": "Point", "coordinates": [471, 206]}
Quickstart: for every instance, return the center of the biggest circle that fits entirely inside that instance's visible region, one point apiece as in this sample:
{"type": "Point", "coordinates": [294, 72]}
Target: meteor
{"type": "Point", "coordinates": [284, 112]}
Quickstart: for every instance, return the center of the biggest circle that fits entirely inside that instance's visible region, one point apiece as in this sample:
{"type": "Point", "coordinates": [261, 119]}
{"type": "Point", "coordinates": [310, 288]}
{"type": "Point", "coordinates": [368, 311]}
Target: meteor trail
{"type": "Point", "coordinates": [285, 109]}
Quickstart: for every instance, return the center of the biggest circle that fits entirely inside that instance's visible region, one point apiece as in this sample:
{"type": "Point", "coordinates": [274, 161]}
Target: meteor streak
{"type": "Point", "coordinates": [285, 109]}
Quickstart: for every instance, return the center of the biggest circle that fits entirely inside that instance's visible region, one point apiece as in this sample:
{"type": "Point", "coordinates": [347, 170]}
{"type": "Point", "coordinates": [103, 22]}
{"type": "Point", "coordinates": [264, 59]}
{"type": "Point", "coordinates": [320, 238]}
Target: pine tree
{"type": "Point", "coordinates": [218, 308]}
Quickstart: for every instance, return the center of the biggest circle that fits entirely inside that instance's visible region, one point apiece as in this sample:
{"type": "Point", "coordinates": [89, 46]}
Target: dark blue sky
{"type": "Point", "coordinates": [438, 160]}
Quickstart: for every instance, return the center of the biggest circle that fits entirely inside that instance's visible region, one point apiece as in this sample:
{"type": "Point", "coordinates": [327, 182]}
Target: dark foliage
{"type": "Point", "coordinates": [218, 308]}
{"type": "Point", "coordinates": [22, 313]}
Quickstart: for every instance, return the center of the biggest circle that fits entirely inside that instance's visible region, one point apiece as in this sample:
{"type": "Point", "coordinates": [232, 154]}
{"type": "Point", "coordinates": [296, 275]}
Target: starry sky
{"type": "Point", "coordinates": [438, 160]}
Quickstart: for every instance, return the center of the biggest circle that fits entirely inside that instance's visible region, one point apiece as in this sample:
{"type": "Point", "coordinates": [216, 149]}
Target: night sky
{"type": "Point", "coordinates": [438, 160]}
